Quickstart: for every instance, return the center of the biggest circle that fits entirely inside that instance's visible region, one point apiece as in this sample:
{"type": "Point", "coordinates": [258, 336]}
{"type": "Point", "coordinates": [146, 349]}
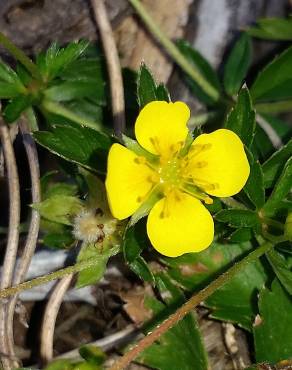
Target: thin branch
{"type": "Point", "coordinates": [79, 266]}
{"type": "Point", "coordinates": [32, 236]}
{"type": "Point", "coordinates": [13, 233]}
{"type": "Point", "coordinates": [50, 316]}
{"type": "Point", "coordinates": [188, 306]}
{"type": "Point", "coordinates": [269, 130]}
{"type": "Point", "coordinates": [113, 65]}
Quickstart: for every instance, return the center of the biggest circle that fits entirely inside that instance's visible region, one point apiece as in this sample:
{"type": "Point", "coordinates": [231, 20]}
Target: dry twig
{"type": "Point", "coordinates": [13, 235]}
{"type": "Point", "coordinates": [50, 316]}
{"type": "Point", "coordinates": [113, 64]}
{"type": "Point", "coordinates": [32, 237]}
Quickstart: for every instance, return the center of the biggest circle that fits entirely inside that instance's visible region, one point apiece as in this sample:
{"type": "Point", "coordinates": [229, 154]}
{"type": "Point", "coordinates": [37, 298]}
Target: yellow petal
{"type": "Point", "coordinates": [128, 181]}
{"type": "Point", "coordinates": [161, 126]}
{"type": "Point", "coordinates": [179, 224]}
{"type": "Point", "coordinates": [218, 163]}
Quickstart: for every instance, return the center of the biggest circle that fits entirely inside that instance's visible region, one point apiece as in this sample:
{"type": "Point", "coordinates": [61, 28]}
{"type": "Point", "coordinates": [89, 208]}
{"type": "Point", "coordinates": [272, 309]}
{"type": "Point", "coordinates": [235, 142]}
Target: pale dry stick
{"type": "Point", "coordinates": [13, 235]}
{"type": "Point", "coordinates": [269, 130]}
{"type": "Point", "coordinates": [32, 236]}
{"type": "Point", "coordinates": [50, 316]}
{"type": "Point", "coordinates": [187, 307]}
{"type": "Point", "coordinates": [113, 65]}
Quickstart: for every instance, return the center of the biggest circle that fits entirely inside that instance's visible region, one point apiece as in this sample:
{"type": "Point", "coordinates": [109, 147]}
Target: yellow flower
{"type": "Point", "coordinates": [181, 174]}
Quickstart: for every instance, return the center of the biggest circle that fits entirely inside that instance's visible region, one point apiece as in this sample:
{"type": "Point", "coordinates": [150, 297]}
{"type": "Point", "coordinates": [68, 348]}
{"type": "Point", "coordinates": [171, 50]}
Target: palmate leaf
{"type": "Point", "coordinates": [272, 329]}
{"type": "Point", "coordinates": [180, 347]}
{"type": "Point", "coordinates": [195, 270]}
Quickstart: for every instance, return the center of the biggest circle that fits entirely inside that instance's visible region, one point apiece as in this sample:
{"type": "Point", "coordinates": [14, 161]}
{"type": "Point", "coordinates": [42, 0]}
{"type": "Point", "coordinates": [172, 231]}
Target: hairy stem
{"type": "Point", "coordinates": [174, 52]}
{"type": "Point", "coordinates": [20, 56]}
{"type": "Point", "coordinates": [79, 266]}
{"type": "Point", "coordinates": [190, 305]}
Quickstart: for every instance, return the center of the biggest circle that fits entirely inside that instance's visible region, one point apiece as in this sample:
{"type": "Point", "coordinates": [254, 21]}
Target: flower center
{"type": "Point", "coordinates": [170, 173]}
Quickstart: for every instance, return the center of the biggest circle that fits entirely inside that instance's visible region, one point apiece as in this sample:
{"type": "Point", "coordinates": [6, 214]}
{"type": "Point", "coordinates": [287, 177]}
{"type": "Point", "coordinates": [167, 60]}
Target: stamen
{"type": "Point", "coordinates": [197, 149]}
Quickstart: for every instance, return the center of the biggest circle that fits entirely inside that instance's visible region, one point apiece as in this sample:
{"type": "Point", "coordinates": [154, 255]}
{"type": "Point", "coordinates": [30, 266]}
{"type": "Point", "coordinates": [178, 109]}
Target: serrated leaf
{"type": "Point", "coordinates": [281, 269]}
{"type": "Point", "coordinates": [273, 166]}
{"type": "Point", "coordinates": [274, 82]}
{"type": "Point", "coordinates": [272, 330]}
{"type": "Point", "coordinates": [59, 208]}
{"type": "Point", "coordinates": [93, 274]}
{"type": "Point", "coordinates": [16, 106]}
{"type": "Point", "coordinates": [8, 75]}
{"type": "Point", "coordinates": [56, 59]}
{"type": "Point", "coordinates": [281, 189]}
{"type": "Point", "coordinates": [146, 86]}
{"type": "Point", "coordinates": [241, 119]}
{"type": "Point", "coordinates": [195, 270]}
{"type": "Point", "coordinates": [181, 347]}
{"type": "Point", "coordinates": [254, 188]}
{"type": "Point", "coordinates": [77, 144]}
{"type": "Point", "coordinates": [272, 29]}
{"type": "Point", "coordinates": [237, 65]}
{"type": "Point", "coordinates": [162, 93]}
{"type": "Point", "coordinates": [71, 90]}
{"type": "Point", "coordinates": [238, 217]}
{"type": "Point", "coordinates": [205, 69]}
{"type": "Point", "coordinates": [135, 241]}
{"type": "Point", "coordinates": [141, 268]}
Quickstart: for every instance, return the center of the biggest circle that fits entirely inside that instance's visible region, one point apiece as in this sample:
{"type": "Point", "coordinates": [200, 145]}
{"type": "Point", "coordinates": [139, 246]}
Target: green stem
{"type": "Point", "coordinates": [174, 52]}
{"type": "Point", "coordinates": [277, 107]}
{"type": "Point", "coordinates": [56, 108]}
{"type": "Point", "coordinates": [196, 299]}
{"type": "Point", "coordinates": [79, 266]}
{"type": "Point", "coordinates": [20, 56]}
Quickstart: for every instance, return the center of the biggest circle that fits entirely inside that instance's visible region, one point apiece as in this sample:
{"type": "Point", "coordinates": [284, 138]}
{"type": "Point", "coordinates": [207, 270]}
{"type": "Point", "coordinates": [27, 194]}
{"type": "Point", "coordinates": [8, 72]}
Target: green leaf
{"type": "Point", "coordinates": [146, 206]}
{"type": "Point", "coordinates": [93, 274]}
{"type": "Point", "coordinates": [205, 69]}
{"type": "Point", "coordinates": [146, 86]}
{"type": "Point", "coordinates": [92, 354]}
{"type": "Point", "coordinates": [8, 75]}
{"type": "Point", "coordinates": [59, 240]}
{"type": "Point", "coordinates": [241, 118]}
{"type": "Point", "coordinates": [9, 90]}
{"type": "Point", "coordinates": [59, 188]}
{"type": "Point", "coordinates": [59, 208]}
{"type": "Point", "coordinates": [77, 144]}
{"type": "Point", "coordinates": [147, 90]}
{"type": "Point", "coordinates": [55, 60]}
{"type": "Point", "coordinates": [70, 90]}
{"type": "Point", "coordinates": [181, 347]}
{"type": "Point", "coordinates": [85, 69]}
{"type": "Point", "coordinates": [273, 166]}
{"type": "Point", "coordinates": [16, 106]}
{"type": "Point", "coordinates": [141, 268]}
{"type": "Point", "coordinates": [272, 29]}
{"type": "Point", "coordinates": [281, 189]}
{"type": "Point", "coordinates": [135, 240]}
{"type": "Point", "coordinates": [274, 82]}
{"type": "Point", "coordinates": [281, 269]}
{"type": "Point", "coordinates": [195, 270]}
{"type": "Point", "coordinates": [238, 217]}
{"type": "Point", "coordinates": [240, 235]}
{"type": "Point", "coordinates": [237, 65]}
{"type": "Point", "coordinates": [254, 188]}
{"type": "Point", "coordinates": [272, 330]}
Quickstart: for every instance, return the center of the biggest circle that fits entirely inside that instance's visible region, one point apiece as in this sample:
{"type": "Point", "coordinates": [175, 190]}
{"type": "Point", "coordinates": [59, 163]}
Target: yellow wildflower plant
{"type": "Point", "coordinates": [183, 174]}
